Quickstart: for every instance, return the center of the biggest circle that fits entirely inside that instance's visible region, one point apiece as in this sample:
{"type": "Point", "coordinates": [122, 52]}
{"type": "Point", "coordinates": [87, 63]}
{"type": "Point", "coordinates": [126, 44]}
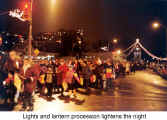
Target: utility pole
{"type": "Point", "coordinates": [30, 38]}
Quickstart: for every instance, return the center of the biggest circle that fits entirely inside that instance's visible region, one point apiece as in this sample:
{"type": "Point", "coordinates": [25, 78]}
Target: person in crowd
{"type": "Point", "coordinates": [28, 98]}
{"type": "Point", "coordinates": [60, 76]}
{"type": "Point", "coordinates": [3, 73]}
{"type": "Point", "coordinates": [70, 80]}
{"type": "Point", "coordinates": [32, 75]}
{"type": "Point", "coordinates": [41, 84]}
{"type": "Point", "coordinates": [93, 75]}
{"type": "Point", "coordinates": [99, 72]}
{"type": "Point", "coordinates": [117, 70]}
{"type": "Point", "coordinates": [109, 74]}
{"type": "Point", "coordinates": [10, 88]}
{"type": "Point", "coordinates": [127, 68]}
{"type": "Point", "coordinates": [13, 64]}
{"type": "Point", "coordinates": [86, 73]}
{"type": "Point", "coordinates": [55, 67]}
{"type": "Point", "coordinates": [49, 82]}
{"type": "Point", "coordinates": [62, 69]}
{"type": "Point", "coordinates": [10, 64]}
{"type": "Point", "coordinates": [133, 67]}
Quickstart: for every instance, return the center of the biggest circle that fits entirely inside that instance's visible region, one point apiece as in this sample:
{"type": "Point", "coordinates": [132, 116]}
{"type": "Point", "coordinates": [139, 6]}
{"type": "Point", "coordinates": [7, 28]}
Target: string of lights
{"type": "Point", "coordinates": [150, 54]}
{"type": "Point", "coordinates": [137, 43]}
{"type": "Point", "coordinates": [129, 47]}
{"type": "Point", "coordinates": [130, 52]}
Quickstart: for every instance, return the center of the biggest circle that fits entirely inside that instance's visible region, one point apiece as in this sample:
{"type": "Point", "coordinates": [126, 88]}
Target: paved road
{"type": "Point", "coordinates": [142, 91]}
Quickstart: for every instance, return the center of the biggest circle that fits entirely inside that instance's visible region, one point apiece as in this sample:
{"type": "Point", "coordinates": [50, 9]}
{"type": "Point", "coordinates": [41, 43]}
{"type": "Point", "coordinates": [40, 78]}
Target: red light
{"type": "Point", "coordinates": [26, 10]}
{"type": "Point", "coordinates": [20, 36]}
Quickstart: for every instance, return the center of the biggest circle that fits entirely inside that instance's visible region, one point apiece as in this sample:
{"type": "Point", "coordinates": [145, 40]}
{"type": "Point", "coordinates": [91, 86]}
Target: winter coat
{"type": "Point", "coordinates": [32, 75]}
{"type": "Point", "coordinates": [86, 72]}
{"type": "Point", "coordinates": [69, 76]}
{"type": "Point", "coordinates": [62, 69]}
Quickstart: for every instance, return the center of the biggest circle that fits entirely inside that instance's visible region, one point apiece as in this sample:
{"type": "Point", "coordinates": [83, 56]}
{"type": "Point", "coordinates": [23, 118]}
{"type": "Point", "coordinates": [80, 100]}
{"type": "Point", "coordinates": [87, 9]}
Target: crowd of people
{"type": "Point", "coordinates": [23, 78]}
{"type": "Point", "coordinates": [159, 67]}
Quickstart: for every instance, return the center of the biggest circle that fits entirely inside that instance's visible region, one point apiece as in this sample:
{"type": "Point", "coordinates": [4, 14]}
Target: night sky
{"type": "Point", "coordinates": [101, 19]}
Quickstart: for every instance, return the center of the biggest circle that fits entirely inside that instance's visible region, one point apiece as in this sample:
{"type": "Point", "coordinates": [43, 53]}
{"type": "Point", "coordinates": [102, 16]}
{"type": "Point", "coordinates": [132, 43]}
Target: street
{"type": "Point", "coordinates": [142, 91]}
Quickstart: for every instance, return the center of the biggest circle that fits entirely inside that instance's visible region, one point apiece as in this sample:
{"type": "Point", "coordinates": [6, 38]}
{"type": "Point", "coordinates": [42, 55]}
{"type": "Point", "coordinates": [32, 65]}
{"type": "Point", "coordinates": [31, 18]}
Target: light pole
{"type": "Point", "coordinates": [30, 30]}
{"type": "Point", "coordinates": [30, 38]}
{"type": "Point", "coordinates": [157, 25]}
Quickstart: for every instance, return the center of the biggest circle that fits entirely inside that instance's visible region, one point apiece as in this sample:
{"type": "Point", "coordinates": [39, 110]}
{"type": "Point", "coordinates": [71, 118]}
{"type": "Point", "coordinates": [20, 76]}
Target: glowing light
{"type": "Point", "coordinates": [53, 7]}
{"type": "Point", "coordinates": [115, 41]}
{"type": "Point", "coordinates": [53, 1]}
{"type": "Point", "coordinates": [38, 57]}
{"type": "Point", "coordinates": [156, 25]}
{"type": "Point", "coordinates": [79, 42]}
{"type": "Point", "coordinates": [156, 82]}
{"type": "Point", "coordinates": [104, 48]}
{"type": "Point", "coordinates": [59, 41]}
{"type": "Point", "coordinates": [137, 49]}
{"type": "Point", "coordinates": [17, 64]}
{"type": "Point", "coordinates": [26, 6]}
{"type": "Point", "coordinates": [118, 52]}
{"type": "Point", "coordinates": [137, 40]}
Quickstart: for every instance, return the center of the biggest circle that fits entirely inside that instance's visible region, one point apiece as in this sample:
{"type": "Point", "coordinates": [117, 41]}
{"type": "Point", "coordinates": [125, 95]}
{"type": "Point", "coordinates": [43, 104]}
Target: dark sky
{"type": "Point", "coordinates": [130, 18]}
{"type": "Point", "coordinates": [101, 19]}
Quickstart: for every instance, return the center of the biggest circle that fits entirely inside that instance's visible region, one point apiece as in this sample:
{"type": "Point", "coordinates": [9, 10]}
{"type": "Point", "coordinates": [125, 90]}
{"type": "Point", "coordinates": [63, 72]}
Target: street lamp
{"type": "Point", "coordinates": [30, 30]}
{"type": "Point", "coordinates": [157, 25]}
{"type": "Point", "coordinates": [115, 41]}
{"type": "Point", "coordinates": [53, 1]}
{"type": "Point", "coordinates": [27, 14]}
